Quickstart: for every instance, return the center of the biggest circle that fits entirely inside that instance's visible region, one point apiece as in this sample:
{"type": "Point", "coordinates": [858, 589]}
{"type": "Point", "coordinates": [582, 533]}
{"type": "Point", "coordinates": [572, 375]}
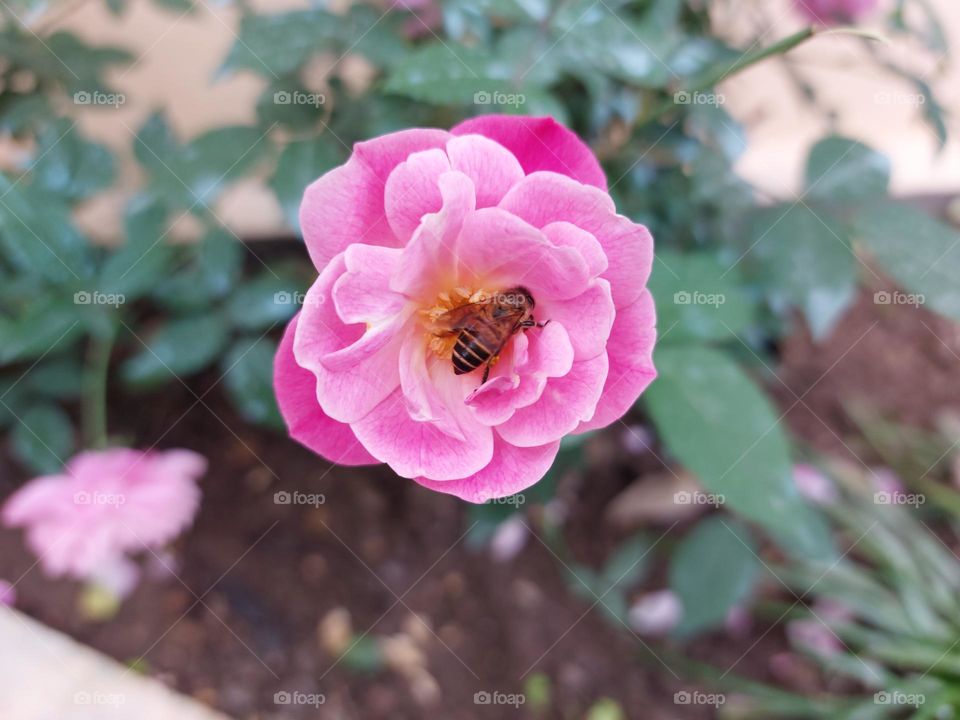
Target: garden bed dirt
{"type": "Point", "coordinates": [252, 607]}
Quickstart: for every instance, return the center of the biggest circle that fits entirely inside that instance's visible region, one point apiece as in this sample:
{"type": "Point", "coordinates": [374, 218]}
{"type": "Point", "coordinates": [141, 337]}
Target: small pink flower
{"type": "Point", "coordinates": [834, 12]}
{"type": "Point", "coordinates": [105, 506]}
{"type": "Point", "coordinates": [813, 484]}
{"type": "Point", "coordinates": [8, 594]}
{"type": "Point", "coordinates": [421, 222]}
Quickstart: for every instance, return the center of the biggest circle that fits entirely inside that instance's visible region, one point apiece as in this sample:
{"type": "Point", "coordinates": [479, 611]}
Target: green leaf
{"type": "Point", "coordinates": [806, 261]}
{"type": "Point", "coordinates": [46, 324]}
{"type": "Point", "coordinates": [277, 45]}
{"type": "Point", "coordinates": [59, 59]}
{"type": "Point", "coordinates": [145, 259]}
{"type": "Point", "coordinates": [193, 175]}
{"type": "Point", "coordinates": [43, 439]}
{"type": "Point", "coordinates": [698, 298]}
{"type": "Point", "coordinates": [448, 74]}
{"type": "Point", "coordinates": [248, 375]}
{"type": "Point", "coordinates": [628, 564]}
{"type": "Point", "coordinates": [712, 570]}
{"type": "Point", "coordinates": [719, 425]}
{"type": "Point", "coordinates": [301, 162]}
{"type": "Point", "coordinates": [178, 348]}
{"type": "Point", "coordinates": [59, 378]}
{"type": "Point", "coordinates": [213, 273]}
{"type": "Point", "coordinates": [69, 166]}
{"type": "Point", "coordinates": [37, 236]}
{"type": "Point", "coordinates": [918, 251]}
{"type": "Point", "coordinates": [844, 172]}
{"type": "Point", "coordinates": [267, 300]}
{"type": "Point", "coordinates": [20, 112]}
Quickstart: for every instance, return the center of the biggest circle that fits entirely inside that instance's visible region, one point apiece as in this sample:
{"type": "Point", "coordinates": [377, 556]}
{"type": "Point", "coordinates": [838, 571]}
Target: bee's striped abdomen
{"type": "Point", "coordinates": [469, 353]}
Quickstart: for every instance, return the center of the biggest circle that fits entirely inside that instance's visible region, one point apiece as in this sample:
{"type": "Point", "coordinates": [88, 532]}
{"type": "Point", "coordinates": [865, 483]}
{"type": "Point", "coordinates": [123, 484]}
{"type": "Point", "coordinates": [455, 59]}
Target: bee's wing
{"type": "Point", "coordinates": [457, 318]}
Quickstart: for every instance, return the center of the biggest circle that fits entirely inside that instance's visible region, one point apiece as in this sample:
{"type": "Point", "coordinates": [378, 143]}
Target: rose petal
{"type": "Point", "coordinates": [588, 318]}
{"type": "Point", "coordinates": [545, 198]}
{"type": "Point", "coordinates": [630, 349]}
{"type": "Point", "coordinates": [414, 449]}
{"type": "Point", "coordinates": [566, 402]}
{"type": "Point", "coordinates": [502, 251]}
{"type": "Point", "coordinates": [512, 470]}
{"type": "Point", "coordinates": [539, 143]}
{"type": "Point", "coordinates": [428, 264]}
{"type": "Point", "coordinates": [413, 191]}
{"type": "Point", "coordinates": [296, 390]}
{"type": "Point", "coordinates": [346, 205]}
{"type": "Point", "coordinates": [362, 294]}
{"type": "Point", "coordinates": [493, 169]}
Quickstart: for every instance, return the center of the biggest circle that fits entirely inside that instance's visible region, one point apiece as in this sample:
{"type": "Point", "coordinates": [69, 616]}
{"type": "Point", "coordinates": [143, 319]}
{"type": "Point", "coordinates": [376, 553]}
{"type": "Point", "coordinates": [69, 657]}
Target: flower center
{"type": "Point", "coordinates": [440, 320]}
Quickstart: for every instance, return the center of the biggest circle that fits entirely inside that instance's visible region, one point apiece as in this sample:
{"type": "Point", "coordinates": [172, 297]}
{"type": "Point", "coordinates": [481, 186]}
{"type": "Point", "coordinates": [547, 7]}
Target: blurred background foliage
{"type": "Point", "coordinates": [626, 75]}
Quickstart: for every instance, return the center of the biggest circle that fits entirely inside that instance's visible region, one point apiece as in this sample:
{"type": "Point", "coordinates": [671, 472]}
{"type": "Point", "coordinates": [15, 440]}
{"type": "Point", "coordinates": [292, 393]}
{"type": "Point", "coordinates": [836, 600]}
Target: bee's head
{"type": "Point", "coordinates": [520, 298]}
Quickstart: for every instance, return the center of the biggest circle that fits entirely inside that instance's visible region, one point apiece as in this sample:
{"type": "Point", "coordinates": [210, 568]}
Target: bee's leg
{"type": "Point", "coordinates": [543, 324]}
{"type": "Point", "coordinates": [486, 373]}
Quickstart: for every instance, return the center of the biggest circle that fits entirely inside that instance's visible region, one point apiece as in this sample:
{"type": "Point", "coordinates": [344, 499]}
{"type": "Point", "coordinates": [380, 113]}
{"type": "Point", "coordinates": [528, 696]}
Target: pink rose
{"type": "Point", "coordinates": [106, 505]}
{"type": "Point", "coordinates": [423, 222]}
{"type": "Point", "coordinates": [834, 12]}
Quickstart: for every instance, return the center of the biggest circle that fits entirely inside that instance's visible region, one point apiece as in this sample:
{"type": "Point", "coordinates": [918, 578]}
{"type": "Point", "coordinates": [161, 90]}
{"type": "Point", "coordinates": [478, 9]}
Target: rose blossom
{"type": "Point", "coordinates": [834, 12]}
{"type": "Point", "coordinates": [104, 506]}
{"type": "Point", "coordinates": [423, 221]}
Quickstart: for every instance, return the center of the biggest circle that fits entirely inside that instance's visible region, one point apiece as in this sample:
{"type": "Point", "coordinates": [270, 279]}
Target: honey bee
{"type": "Point", "coordinates": [483, 328]}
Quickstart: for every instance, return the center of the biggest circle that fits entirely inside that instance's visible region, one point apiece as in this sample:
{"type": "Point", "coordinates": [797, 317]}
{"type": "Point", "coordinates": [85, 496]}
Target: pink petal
{"type": "Point", "coordinates": [539, 144]}
{"type": "Point", "coordinates": [493, 169]}
{"type": "Point", "coordinates": [37, 499]}
{"type": "Point", "coordinates": [428, 263]}
{"type": "Point", "coordinates": [550, 355]}
{"type": "Point", "coordinates": [588, 318]}
{"type": "Point", "coordinates": [630, 349]}
{"type": "Point", "coordinates": [545, 198]}
{"type": "Point", "coordinates": [567, 234]}
{"type": "Point", "coordinates": [346, 205]}
{"type": "Point", "coordinates": [511, 470]}
{"type": "Point", "coordinates": [500, 249]}
{"type": "Point", "coordinates": [418, 382]}
{"type": "Point", "coordinates": [355, 370]}
{"type": "Point", "coordinates": [413, 191]}
{"type": "Point", "coordinates": [296, 390]}
{"type": "Point", "coordinates": [414, 449]}
{"type": "Point", "coordinates": [362, 294]}
{"type": "Point", "coordinates": [566, 402]}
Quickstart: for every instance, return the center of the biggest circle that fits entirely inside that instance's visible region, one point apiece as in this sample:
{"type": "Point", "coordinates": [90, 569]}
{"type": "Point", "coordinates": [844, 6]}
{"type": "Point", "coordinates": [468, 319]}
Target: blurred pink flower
{"type": "Point", "coordinates": [424, 221]}
{"type": "Point", "coordinates": [8, 594]}
{"type": "Point", "coordinates": [656, 613]}
{"type": "Point", "coordinates": [104, 506]}
{"type": "Point", "coordinates": [813, 484]}
{"type": "Point", "coordinates": [427, 17]}
{"type": "Point", "coordinates": [834, 12]}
